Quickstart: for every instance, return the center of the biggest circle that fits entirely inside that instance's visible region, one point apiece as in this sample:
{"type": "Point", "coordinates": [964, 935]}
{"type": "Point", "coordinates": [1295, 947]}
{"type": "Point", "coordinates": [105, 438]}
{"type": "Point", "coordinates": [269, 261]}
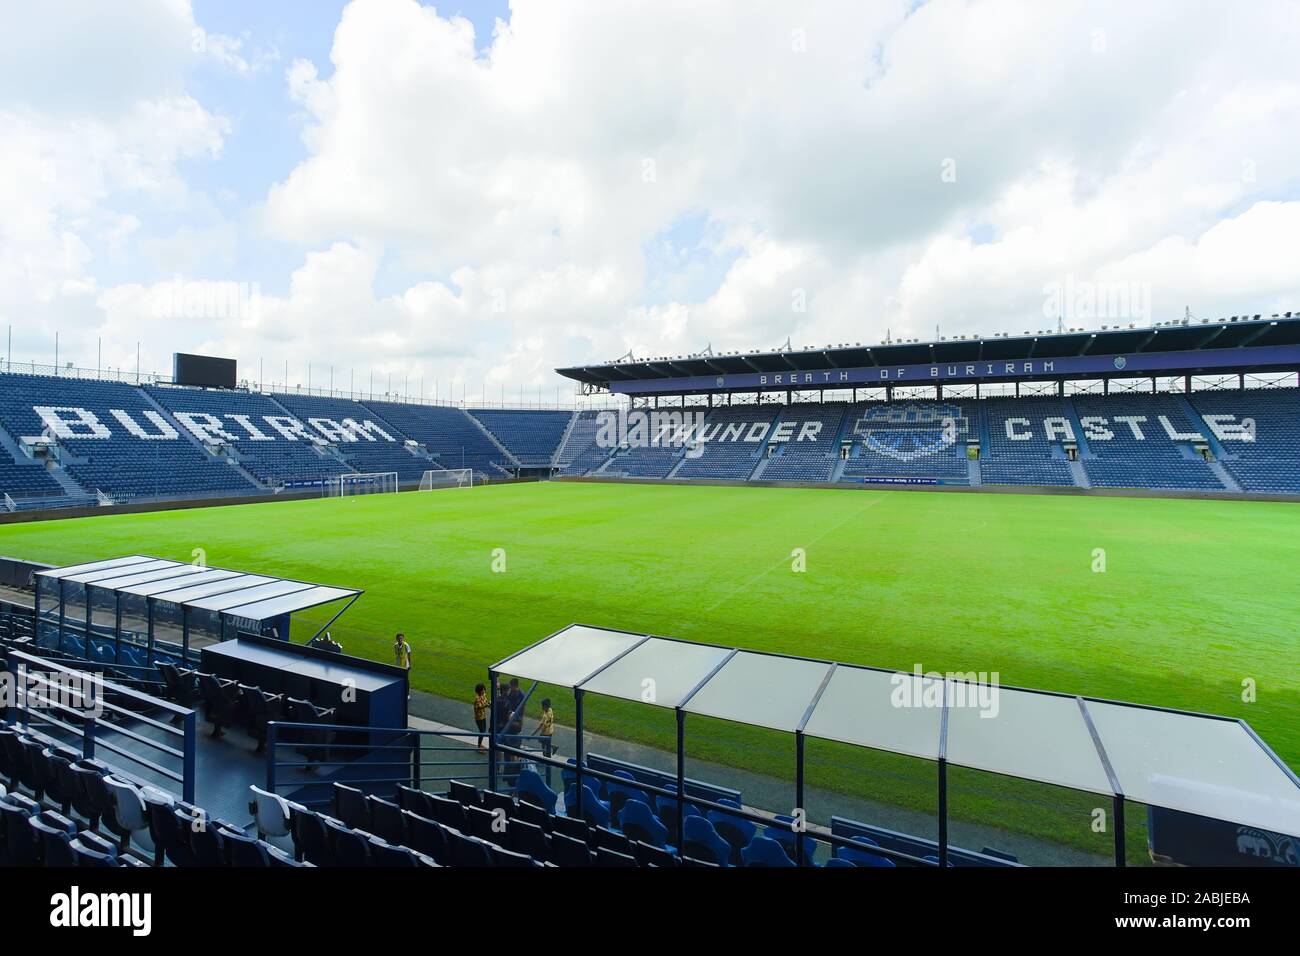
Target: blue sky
{"type": "Point", "coordinates": [650, 176]}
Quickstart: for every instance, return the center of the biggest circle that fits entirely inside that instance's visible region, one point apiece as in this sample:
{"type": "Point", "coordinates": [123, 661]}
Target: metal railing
{"type": "Point", "coordinates": [372, 759]}
{"type": "Point", "coordinates": [130, 376]}
{"type": "Point", "coordinates": [114, 718]}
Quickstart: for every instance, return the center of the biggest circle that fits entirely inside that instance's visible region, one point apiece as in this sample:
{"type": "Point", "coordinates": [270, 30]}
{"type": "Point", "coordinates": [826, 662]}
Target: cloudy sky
{"type": "Point", "coordinates": [474, 193]}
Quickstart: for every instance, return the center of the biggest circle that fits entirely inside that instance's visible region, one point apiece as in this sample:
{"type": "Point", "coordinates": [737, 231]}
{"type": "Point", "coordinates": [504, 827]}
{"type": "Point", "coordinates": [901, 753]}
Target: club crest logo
{"type": "Point", "coordinates": [908, 432]}
{"type": "Point", "coordinates": [1120, 361]}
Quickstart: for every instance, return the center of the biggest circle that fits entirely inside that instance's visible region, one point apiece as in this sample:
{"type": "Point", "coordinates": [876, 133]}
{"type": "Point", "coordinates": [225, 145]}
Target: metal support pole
{"type": "Point", "coordinates": [272, 736]}
{"type": "Point", "coordinates": [943, 778]}
{"type": "Point", "coordinates": [799, 857]}
{"type": "Point", "coordinates": [492, 731]}
{"type": "Point", "coordinates": [943, 813]}
{"type": "Point", "coordinates": [577, 747]}
{"type": "Point", "coordinates": [681, 780]}
{"type": "Point", "coordinates": [417, 770]}
{"type": "Point", "coordinates": [1119, 830]}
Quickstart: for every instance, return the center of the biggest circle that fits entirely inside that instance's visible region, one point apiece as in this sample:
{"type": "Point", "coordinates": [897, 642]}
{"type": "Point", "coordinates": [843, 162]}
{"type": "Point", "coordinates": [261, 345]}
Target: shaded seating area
{"type": "Point", "coordinates": [1159, 759]}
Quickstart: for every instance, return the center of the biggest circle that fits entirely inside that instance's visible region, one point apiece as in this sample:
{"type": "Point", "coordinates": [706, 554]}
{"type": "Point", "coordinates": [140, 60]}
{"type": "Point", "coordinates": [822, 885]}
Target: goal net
{"type": "Point", "coordinates": [447, 478]}
{"type": "Point", "coordinates": [376, 483]}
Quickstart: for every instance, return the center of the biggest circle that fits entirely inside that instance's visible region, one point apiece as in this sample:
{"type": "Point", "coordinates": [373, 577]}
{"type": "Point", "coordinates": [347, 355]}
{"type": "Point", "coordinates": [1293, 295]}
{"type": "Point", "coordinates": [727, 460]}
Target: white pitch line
{"type": "Point", "coordinates": [727, 597]}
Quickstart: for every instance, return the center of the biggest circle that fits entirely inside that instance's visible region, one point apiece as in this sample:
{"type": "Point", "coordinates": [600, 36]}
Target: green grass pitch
{"type": "Point", "coordinates": [1196, 597]}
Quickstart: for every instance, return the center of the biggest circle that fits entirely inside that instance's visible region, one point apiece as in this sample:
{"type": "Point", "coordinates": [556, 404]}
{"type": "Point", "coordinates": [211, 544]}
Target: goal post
{"type": "Point", "coordinates": [374, 483]}
{"type": "Point", "coordinates": [447, 478]}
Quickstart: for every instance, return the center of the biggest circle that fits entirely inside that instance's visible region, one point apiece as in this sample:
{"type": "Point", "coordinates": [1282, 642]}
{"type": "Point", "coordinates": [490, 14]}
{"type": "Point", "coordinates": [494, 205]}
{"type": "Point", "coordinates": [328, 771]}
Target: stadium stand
{"type": "Point", "coordinates": [1141, 441]}
{"type": "Point", "coordinates": [375, 447]}
{"type": "Point", "coordinates": [809, 450]}
{"type": "Point", "coordinates": [1020, 450]}
{"type": "Point", "coordinates": [245, 421]}
{"type": "Point", "coordinates": [653, 461]}
{"type": "Point", "coordinates": [72, 441]}
{"type": "Point", "coordinates": [448, 434]}
{"type": "Point", "coordinates": [26, 482]}
{"type": "Point", "coordinates": [111, 439]}
{"type": "Point", "coordinates": [532, 436]}
{"type": "Point", "coordinates": [580, 451]}
{"type": "Point", "coordinates": [1259, 434]}
{"type": "Point", "coordinates": [730, 443]}
{"type": "Point", "coordinates": [909, 440]}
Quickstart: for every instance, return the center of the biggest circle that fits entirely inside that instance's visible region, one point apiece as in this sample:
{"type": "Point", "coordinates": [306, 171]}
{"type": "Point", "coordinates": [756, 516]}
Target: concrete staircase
{"type": "Point", "coordinates": [1080, 475]}
{"type": "Point", "coordinates": [487, 432]}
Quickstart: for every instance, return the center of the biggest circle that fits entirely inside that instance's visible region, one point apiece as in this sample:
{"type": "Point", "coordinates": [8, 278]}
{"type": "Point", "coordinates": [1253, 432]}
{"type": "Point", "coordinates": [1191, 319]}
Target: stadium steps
{"type": "Point", "coordinates": [1229, 483]}
{"type": "Point", "coordinates": [487, 432]}
{"type": "Point", "coordinates": [1216, 447]}
{"type": "Point", "coordinates": [15, 450]}
{"type": "Point", "coordinates": [974, 476]}
{"type": "Point", "coordinates": [1080, 475]}
{"type": "Point", "coordinates": [767, 440]}
{"type": "Point", "coordinates": [681, 460]}
{"type": "Point", "coordinates": [564, 440]}
{"type": "Point", "coordinates": [837, 474]}
{"type": "Point", "coordinates": [1080, 439]}
{"type": "Point", "coordinates": [232, 459]}
{"type": "Point", "coordinates": [55, 471]}
{"type": "Point", "coordinates": [757, 473]}
{"type": "Point", "coordinates": [332, 452]}
{"type": "Point", "coordinates": [68, 483]}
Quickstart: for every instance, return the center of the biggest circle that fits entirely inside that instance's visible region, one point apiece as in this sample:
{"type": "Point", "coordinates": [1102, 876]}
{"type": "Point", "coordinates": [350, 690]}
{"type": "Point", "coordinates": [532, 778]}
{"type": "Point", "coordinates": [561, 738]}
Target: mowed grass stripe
{"type": "Point", "coordinates": [1197, 596]}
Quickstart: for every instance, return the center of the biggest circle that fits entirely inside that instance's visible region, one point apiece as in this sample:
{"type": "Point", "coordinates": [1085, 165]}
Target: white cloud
{"type": "Point", "coordinates": [490, 215]}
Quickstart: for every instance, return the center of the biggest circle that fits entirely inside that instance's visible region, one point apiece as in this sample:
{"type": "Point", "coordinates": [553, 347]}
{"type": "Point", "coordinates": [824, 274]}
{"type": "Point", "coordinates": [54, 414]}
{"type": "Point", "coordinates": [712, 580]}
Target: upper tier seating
{"type": "Point", "coordinates": [100, 425]}
{"type": "Point", "coordinates": [375, 447]}
{"type": "Point", "coordinates": [1263, 456]}
{"type": "Point", "coordinates": [447, 433]}
{"type": "Point", "coordinates": [295, 452]}
{"type": "Point", "coordinates": [910, 439]}
{"type": "Point", "coordinates": [1132, 440]}
{"type": "Point", "coordinates": [1019, 451]}
{"type": "Point", "coordinates": [531, 436]}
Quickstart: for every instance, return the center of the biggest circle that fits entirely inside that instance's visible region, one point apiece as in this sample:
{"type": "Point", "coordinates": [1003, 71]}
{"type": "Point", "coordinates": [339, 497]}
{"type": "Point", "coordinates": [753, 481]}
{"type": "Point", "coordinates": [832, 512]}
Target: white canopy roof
{"type": "Point", "coordinates": [252, 596]}
{"type": "Point", "coordinates": [1197, 763]}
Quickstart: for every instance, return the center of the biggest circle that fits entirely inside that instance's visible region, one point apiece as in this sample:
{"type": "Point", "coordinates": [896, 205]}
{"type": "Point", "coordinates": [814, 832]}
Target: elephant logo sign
{"type": "Point", "coordinates": [908, 432]}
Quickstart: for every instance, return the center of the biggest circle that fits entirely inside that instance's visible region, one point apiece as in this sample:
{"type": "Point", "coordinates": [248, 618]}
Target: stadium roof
{"type": "Point", "coordinates": [1203, 764]}
{"type": "Point", "coordinates": [255, 597]}
{"type": "Point", "coordinates": [1183, 347]}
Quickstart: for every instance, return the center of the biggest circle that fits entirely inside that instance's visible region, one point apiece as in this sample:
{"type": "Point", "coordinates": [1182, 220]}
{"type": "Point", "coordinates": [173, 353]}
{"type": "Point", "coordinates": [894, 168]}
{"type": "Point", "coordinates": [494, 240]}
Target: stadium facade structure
{"type": "Point", "coordinates": [1114, 409]}
{"type": "Point", "coordinates": [1184, 407]}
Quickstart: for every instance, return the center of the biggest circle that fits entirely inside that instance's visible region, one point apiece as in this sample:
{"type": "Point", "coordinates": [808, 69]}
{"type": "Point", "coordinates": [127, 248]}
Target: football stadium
{"type": "Point", "coordinates": [1019, 593]}
{"type": "Point", "coordinates": [734, 538]}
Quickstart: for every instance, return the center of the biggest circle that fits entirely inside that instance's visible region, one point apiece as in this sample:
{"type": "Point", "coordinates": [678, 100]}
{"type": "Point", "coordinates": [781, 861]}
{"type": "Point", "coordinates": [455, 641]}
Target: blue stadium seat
{"type": "Point", "coordinates": [736, 830]}
{"type": "Point", "coordinates": [532, 436]}
{"type": "Point", "coordinates": [763, 851]}
{"type": "Point", "coordinates": [566, 851]}
{"type": "Point", "coordinates": [862, 857]}
{"type": "Point", "coordinates": [594, 810]}
{"type": "Point", "coordinates": [701, 841]}
{"type": "Point", "coordinates": [640, 823]}
{"type": "Point", "coordinates": [785, 836]}
{"type": "Point", "coordinates": [531, 787]}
